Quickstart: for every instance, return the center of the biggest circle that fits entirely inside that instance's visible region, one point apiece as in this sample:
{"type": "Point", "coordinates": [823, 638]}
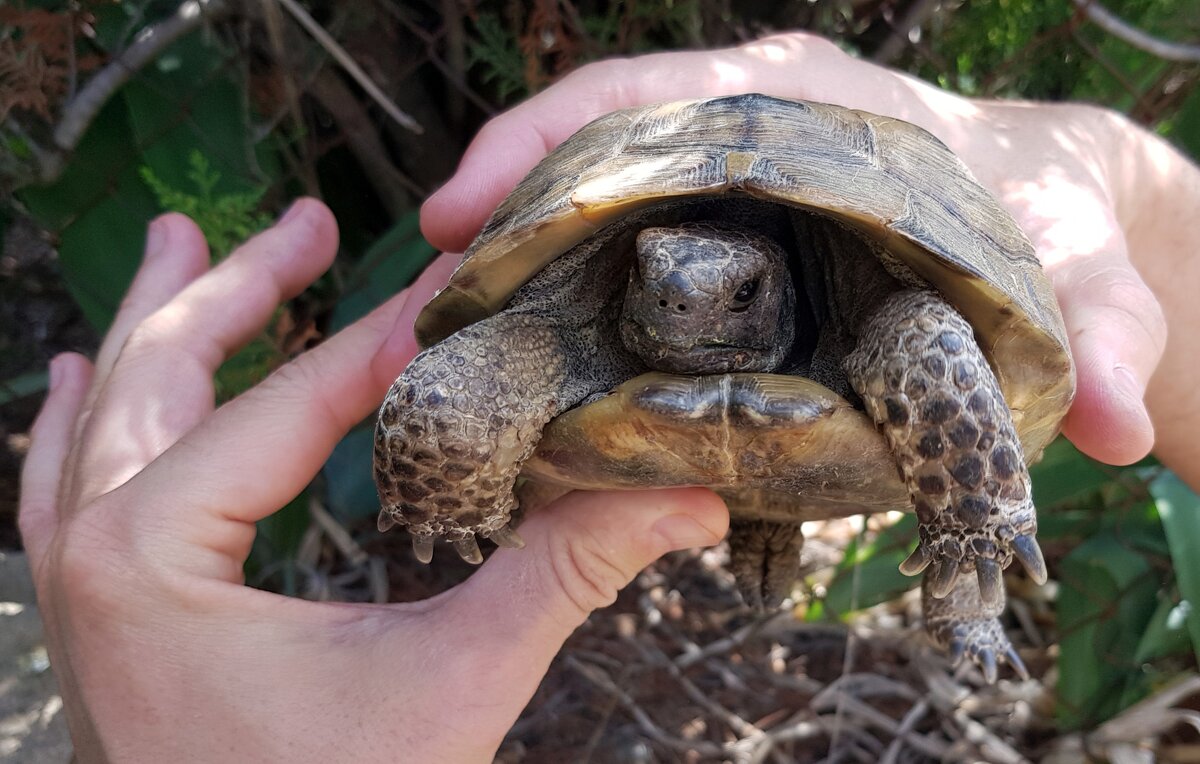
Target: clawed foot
{"type": "Point", "coordinates": [765, 560]}
{"type": "Point", "coordinates": [986, 644]}
{"type": "Point", "coordinates": [988, 554]}
{"type": "Point", "coordinates": [466, 546]}
{"type": "Point", "coordinates": [965, 625]}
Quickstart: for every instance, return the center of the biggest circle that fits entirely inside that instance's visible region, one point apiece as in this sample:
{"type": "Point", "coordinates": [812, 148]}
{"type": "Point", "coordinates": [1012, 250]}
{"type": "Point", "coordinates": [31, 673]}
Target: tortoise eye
{"type": "Point", "coordinates": [745, 293]}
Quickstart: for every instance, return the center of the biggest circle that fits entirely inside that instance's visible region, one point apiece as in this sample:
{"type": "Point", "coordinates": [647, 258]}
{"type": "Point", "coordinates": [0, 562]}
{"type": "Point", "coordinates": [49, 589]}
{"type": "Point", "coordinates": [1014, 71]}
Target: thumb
{"type": "Point", "coordinates": [1117, 333]}
{"type": "Point", "coordinates": [1114, 323]}
{"type": "Point", "coordinates": [579, 552]}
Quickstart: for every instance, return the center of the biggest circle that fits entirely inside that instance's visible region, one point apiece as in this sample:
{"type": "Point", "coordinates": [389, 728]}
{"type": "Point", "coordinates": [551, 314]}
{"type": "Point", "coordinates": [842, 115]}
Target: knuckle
{"type": "Point", "coordinates": [587, 576]}
{"type": "Point", "coordinates": [1128, 302]}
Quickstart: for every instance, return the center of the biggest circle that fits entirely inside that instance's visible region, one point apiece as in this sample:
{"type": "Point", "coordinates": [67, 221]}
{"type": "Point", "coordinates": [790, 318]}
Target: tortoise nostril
{"type": "Point", "coordinates": [681, 307]}
{"type": "Point", "coordinates": [662, 303]}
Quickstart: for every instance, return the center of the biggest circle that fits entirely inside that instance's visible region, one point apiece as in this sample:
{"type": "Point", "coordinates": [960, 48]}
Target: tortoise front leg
{"type": "Point", "coordinates": [458, 424]}
{"type": "Point", "coordinates": [928, 386]}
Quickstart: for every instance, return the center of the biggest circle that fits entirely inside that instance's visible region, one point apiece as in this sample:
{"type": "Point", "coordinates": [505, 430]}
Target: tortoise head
{"type": "Point", "coordinates": [706, 299]}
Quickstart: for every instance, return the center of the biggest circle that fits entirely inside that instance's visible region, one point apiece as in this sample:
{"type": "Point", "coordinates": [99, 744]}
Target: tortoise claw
{"type": "Point", "coordinates": [468, 550]}
{"type": "Point", "coordinates": [423, 548]}
{"type": "Point", "coordinates": [1025, 548]}
{"type": "Point", "coordinates": [917, 561]}
{"type": "Point", "coordinates": [941, 577]}
{"type": "Point", "coordinates": [506, 537]}
{"type": "Point", "coordinates": [957, 651]}
{"type": "Point", "coordinates": [386, 521]}
{"type": "Point", "coordinates": [987, 664]}
{"type": "Point", "coordinates": [1017, 664]}
{"type": "Point", "coordinates": [991, 582]}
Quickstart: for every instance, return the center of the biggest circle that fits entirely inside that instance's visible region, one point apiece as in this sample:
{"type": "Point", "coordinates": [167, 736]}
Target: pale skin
{"type": "Point", "coordinates": [139, 498]}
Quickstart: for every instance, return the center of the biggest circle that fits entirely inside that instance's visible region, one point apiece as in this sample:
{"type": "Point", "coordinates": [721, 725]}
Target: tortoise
{"type": "Point", "coordinates": [814, 310]}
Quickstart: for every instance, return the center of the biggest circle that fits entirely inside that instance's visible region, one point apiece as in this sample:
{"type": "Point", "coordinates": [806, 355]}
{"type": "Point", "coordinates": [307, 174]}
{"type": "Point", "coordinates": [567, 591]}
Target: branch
{"type": "Point", "coordinates": [151, 41]}
{"type": "Point", "coordinates": [1122, 30]}
{"type": "Point", "coordinates": [352, 68]}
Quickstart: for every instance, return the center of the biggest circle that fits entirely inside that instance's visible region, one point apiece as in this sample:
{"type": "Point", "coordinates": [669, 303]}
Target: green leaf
{"type": "Point", "coordinates": [350, 487]}
{"type": "Point", "coordinates": [1065, 474]}
{"type": "Point", "coordinates": [870, 572]}
{"type": "Point", "coordinates": [1179, 509]}
{"type": "Point", "coordinates": [99, 209]}
{"type": "Point", "coordinates": [23, 385]}
{"type": "Point", "coordinates": [1107, 600]}
{"type": "Point", "coordinates": [277, 539]}
{"type": "Point", "coordinates": [385, 268]}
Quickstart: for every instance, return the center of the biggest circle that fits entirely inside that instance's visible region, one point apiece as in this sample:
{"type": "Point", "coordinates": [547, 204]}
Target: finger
{"type": "Point", "coordinates": [1117, 334]}
{"type": "Point", "coordinates": [50, 444]}
{"type": "Point", "coordinates": [1114, 324]}
{"type": "Point", "coordinates": [161, 383]}
{"type": "Point", "coordinates": [175, 255]}
{"type": "Point", "coordinates": [260, 450]}
{"type": "Point", "coordinates": [579, 553]}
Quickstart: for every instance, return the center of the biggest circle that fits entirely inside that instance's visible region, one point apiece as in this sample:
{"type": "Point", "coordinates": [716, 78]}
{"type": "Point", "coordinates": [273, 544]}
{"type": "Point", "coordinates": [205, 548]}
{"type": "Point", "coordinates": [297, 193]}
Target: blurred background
{"type": "Point", "coordinates": [113, 111]}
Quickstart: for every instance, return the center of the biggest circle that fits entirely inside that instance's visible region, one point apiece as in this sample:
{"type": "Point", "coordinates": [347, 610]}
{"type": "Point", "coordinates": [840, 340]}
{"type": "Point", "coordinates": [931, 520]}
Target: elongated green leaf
{"type": "Point", "coordinates": [1179, 508]}
{"type": "Point", "coordinates": [870, 573]}
{"type": "Point", "coordinates": [385, 268]}
{"type": "Point", "coordinates": [1107, 600]}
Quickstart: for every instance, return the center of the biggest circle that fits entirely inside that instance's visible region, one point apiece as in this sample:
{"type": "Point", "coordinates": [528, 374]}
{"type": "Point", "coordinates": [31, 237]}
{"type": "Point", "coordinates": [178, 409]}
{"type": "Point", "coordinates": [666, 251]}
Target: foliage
{"type": "Point", "coordinates": [225, 220]}
{"type": "Point", "coordinates": [496, 55]}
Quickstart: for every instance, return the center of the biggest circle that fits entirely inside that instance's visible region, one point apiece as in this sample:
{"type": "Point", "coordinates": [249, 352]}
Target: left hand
{"type": "Point", "coordinates": [138, 507]}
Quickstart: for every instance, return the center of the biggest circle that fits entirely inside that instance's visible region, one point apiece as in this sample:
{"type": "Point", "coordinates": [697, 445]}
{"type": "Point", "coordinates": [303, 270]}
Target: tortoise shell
{"type": "Point", "coordinates": [892, 182]}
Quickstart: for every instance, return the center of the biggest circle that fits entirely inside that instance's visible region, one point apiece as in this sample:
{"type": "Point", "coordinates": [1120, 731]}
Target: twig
{"type": "Point", "coordinates": [452, 75]}
{"type": "Point", "coordinates": [273, 21]}
{"type": "Point", "coordinates": [992, 747]}
{"type": "Point", "coordinates": [734, 640]}
{"type": "Point", "coordinates": [337, 534]}
{"type": "Point", "coordinates": [914, 715]}
{"type": "Point", "coordinates": [79, 112]}
{"type": "Point", "coordinates": [326, 41]}
{"type": "Point", "coordinates": [363, 140]}
{"type": "Point", "coordinates": [601, 680]}
{"type": "Point", "coordinates": [657, 658]}
{"type": "Point", "coordinates": [1126, 32]}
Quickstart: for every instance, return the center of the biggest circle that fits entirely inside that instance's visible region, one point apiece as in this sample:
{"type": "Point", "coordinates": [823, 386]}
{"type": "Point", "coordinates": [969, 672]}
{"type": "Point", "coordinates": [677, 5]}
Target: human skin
{"type": "Point", "coordinates": [139, 498]}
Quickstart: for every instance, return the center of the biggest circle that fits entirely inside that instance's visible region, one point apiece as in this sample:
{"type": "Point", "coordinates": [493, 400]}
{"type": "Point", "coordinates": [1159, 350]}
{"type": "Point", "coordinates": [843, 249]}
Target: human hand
{"type": "Point", "coordinates": [1101, 200]}
{"type": "Point", "coordinates": [138, 507]}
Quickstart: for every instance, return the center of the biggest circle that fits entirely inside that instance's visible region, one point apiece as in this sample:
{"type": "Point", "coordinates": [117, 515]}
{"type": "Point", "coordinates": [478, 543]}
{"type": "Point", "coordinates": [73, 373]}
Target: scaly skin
{"type": "Point", "coordinates": [964, 626]}
{"type": "Point", "coordinates": [764, 557]}
{"type": "Point", "coordinates": [458, 424]}
{"type": "Point", "coordinates": [928, 386]}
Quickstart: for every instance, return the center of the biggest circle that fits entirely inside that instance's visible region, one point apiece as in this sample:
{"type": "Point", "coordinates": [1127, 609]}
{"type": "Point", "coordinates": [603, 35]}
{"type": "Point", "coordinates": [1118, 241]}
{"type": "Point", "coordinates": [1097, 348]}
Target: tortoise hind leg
{"type": "Point", "coordinates": [928, 386]}
{"type": "Point", "coordinates": [764, 550]}
{"type": "Point", "coordinates": [764, 556]}
{"type": "Point", "coordinates": [458, 424]}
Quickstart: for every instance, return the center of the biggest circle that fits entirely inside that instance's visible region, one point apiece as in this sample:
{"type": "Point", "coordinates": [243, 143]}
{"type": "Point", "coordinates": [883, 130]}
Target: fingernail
{"type": "Point", "coordinates": [1128, 383]}
{"type": "Point", "coordinates": [156, 237]}
{"type": "Point", "coordinates": [56, 373]}
{"type": "Point", "coordinates": [291, 212]}
{"type": "Point", "coordinates": [683, 532]}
